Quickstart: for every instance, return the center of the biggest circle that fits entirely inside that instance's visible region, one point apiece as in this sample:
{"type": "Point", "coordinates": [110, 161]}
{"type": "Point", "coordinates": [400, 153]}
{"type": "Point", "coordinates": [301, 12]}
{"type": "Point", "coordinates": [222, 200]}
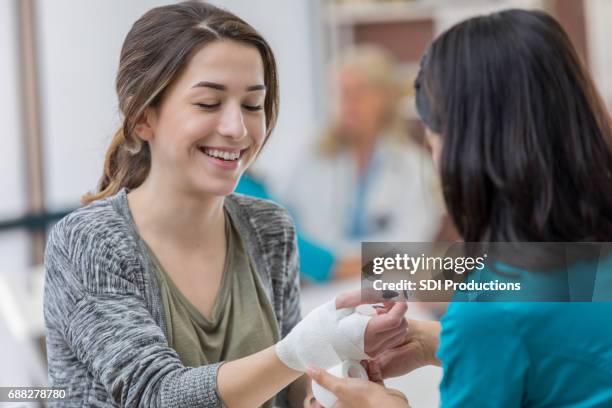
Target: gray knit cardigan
{"type": "Point", "coordinates": [106, 339]}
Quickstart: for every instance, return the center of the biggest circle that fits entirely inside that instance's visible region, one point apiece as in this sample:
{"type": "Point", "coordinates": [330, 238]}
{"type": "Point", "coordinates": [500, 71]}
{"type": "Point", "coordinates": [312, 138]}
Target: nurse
{"type": "Point", "coordinates": [523, 144]}
{"type": "Point", "coordinates": [365, 179]}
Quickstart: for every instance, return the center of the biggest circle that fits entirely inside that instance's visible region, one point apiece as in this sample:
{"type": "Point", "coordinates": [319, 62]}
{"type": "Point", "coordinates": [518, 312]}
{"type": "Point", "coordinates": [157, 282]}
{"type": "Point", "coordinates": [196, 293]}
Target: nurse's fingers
{"type": "Point", "coordinates": [375, 341]}
{"type": "Point", "coordinates": [336, 385]}
{"type": "Point", "coordinates": [398, 339]}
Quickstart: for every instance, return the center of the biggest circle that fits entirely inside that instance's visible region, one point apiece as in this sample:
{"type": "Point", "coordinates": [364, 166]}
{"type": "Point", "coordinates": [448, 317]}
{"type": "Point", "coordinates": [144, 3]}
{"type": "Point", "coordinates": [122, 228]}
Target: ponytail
{"type": "Point", "coordinates": [124, 166]}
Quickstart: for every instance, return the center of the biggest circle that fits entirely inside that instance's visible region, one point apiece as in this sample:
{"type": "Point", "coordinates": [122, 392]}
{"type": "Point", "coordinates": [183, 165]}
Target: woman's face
{"type": "Point", "coordinates": [210, 123]}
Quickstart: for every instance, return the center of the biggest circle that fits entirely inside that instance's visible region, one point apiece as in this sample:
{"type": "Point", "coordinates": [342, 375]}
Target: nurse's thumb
{"type": "Point", "coordinates": [335, 385]}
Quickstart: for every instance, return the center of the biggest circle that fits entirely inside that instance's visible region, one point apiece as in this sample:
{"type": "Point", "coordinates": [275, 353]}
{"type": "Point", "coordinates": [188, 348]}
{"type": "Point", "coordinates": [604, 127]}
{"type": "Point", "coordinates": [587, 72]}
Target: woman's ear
{"type": "Point", "coordinates": [145, 125]}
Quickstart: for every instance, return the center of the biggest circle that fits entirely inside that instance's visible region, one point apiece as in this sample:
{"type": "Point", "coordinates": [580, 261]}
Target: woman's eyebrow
{"type": "Point", "coordinates": [220, 87]}
{"type": "Point", "coordinates": [255, 88]}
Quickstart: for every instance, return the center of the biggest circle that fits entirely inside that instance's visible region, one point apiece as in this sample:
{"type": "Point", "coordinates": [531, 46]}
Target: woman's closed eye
{"type": "Point", "coordinates": [208, 106]}
{"type": "Point", "coordinates": [253, 107]}
{"type": "Point", "coordinates": [212, 106]}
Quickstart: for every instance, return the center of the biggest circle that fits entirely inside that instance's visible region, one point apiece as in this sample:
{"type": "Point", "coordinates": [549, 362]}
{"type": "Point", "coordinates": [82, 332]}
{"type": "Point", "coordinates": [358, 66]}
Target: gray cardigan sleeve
{"type": "Point", "coordinates": [291, 294]}
{"type": "Point", "coordinates": [290, 291]}
{"type": "Point", "coordinates": [96, 316]}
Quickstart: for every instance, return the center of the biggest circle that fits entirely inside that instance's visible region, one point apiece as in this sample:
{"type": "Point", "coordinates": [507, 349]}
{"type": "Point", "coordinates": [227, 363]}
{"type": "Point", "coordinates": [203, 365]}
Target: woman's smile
{"type": "Point", "coordinates": [223, 157]}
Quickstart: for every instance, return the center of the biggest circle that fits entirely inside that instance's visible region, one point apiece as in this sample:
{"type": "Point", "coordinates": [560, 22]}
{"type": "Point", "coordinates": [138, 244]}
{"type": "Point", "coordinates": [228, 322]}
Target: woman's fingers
{"type": "Point", "coordinates": [390, 320]}
{"type": "Point", "coordinates": [385, 329]}
{"type": "Point", "coordinates": [349, 299]}
{"type": "Point", "coordinates": [363, 297]}
{"type": "Point", "coordinates": [384, 308]}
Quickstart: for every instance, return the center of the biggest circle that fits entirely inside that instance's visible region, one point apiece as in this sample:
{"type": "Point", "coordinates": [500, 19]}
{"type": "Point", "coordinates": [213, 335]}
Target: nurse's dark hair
{"type": "Point", "coordinates": [157, 47]}
{"type": "Point", "coordinates": [527, 143]}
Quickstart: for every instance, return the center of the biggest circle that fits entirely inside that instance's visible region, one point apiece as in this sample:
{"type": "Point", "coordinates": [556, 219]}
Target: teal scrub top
{"type": "Point", "coordinates": [528, 354]}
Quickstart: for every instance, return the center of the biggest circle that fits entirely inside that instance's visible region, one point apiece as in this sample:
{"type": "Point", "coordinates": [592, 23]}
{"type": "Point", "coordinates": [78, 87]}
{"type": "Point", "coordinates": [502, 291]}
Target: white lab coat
{"type": "Point", "coordinates": [402, 202]}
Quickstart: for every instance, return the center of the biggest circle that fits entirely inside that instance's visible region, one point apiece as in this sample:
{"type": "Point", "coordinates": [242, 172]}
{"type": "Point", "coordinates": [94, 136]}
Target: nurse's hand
{"type": "Point", "coordinates": [419, 350]}
{"type": "Point", "coordinates": [356, 393]}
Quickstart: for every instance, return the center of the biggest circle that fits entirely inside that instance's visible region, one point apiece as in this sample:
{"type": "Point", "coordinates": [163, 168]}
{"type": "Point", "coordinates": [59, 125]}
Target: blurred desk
{"type": "Point", "coordinates": [420, 386]}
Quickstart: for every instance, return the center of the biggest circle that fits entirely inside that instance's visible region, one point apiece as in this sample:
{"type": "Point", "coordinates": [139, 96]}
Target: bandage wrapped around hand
{"type": "Point", "coordinates": [325, 338]}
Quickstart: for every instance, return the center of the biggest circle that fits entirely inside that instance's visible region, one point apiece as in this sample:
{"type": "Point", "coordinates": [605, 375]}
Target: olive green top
{"type": "Point", "coordinates": [242, 321]}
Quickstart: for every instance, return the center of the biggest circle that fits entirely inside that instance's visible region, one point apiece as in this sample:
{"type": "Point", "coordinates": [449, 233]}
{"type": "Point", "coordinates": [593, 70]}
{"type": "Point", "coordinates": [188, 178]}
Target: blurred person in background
{"type": "Point", "coordinates": [364, 179]}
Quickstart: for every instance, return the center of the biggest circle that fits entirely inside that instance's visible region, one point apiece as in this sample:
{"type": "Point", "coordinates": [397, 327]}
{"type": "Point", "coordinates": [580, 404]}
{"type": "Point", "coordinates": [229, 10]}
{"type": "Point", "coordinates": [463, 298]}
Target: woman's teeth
{"type": "Point", "coordinates": [220, 154]}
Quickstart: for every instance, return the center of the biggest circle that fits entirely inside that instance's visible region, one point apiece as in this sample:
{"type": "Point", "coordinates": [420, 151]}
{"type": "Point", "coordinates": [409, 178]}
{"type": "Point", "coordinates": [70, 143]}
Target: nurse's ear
{"type": "Point", "coordinates": [146, 124]}
{"type": "Point", "coordinates": [435, 143]}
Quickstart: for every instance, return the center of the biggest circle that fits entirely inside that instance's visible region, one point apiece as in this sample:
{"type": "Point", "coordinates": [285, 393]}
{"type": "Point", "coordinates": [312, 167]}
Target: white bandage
{"type": "Point", "coordinates": [324, 338]}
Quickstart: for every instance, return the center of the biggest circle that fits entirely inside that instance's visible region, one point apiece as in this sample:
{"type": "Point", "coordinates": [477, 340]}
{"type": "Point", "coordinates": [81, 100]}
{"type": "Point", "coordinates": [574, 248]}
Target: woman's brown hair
{"type": "Point", "coordinates": [157, 47]}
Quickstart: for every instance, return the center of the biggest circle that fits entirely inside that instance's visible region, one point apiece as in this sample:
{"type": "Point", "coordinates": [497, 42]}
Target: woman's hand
{"type": "Point", "coordinates": [356, 393]}
{"type": "Point", "coordinates": [334, 332]}
{"type": "Point", "coordinates": [384, 331]}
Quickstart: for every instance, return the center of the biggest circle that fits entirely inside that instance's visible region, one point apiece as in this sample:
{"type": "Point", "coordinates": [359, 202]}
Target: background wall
{"type": "Point", "coordinates": [13, 245]}
{"type": "Point", "coordinates": [599, 36]}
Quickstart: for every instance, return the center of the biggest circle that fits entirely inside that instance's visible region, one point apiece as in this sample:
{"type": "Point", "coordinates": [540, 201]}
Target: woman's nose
{"type": "Point", "coordinates": [231, 123]}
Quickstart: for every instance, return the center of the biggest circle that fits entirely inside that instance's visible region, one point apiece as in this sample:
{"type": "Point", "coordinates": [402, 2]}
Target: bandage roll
{"type": "Point", "coordinates": [347, 369]}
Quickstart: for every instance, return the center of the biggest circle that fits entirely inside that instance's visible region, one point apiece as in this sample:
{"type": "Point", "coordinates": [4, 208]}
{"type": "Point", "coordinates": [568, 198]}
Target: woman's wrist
{"type": "Point", "coordinates": [252, 380]}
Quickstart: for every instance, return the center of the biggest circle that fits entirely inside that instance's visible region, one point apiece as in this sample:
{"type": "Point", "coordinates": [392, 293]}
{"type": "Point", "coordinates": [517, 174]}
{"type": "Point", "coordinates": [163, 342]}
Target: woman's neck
{"type": "Point", "coordinates": [186, 220]}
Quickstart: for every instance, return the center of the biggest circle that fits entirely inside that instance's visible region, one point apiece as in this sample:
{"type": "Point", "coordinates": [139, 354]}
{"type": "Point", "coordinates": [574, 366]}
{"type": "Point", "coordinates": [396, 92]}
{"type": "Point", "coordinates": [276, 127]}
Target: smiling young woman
{"type": "Point", "coordinates": [165, 274]}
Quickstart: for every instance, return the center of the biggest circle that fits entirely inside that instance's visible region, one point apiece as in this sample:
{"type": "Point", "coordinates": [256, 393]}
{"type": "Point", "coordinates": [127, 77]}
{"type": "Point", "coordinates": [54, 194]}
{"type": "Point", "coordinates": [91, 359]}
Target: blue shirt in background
{"type": "Point", "coordinates": [316, 262]}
